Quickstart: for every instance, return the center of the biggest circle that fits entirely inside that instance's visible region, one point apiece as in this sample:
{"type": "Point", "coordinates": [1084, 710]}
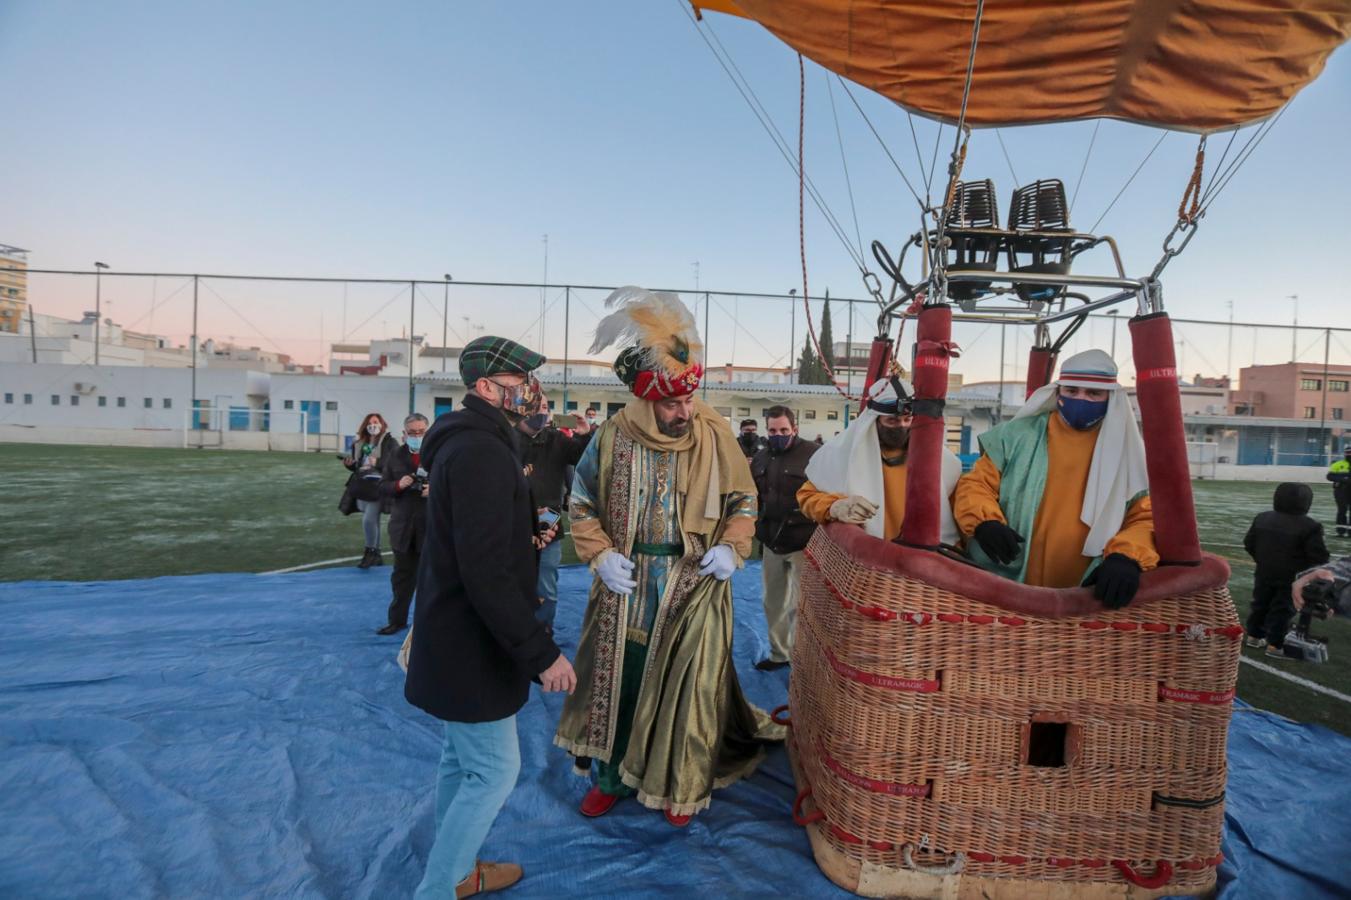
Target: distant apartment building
{"type": "Point", "coordinates": [13, 287]}
{"type": "Point", "coordinates": [1294, 390]}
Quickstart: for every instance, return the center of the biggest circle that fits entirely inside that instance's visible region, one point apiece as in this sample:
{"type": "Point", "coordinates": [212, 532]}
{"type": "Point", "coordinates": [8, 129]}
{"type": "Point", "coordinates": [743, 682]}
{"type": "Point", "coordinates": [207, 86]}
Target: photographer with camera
{"type": "Point", "coordinates": [1283, 541]}
{"type": "Point", "coordinates": [548, 454]}
{"type": "Point", "coordinates": [403, 485]}
{"type": "Point", "coordinates": [1325, 590]}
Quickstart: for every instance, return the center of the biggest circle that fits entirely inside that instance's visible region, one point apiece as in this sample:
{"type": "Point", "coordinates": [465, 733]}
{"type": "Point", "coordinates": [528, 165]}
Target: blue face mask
{"type": "Point", "coordinates": [780, 442]}
{"type": "Point", "coordinates": [414, 443]}
{"type": "Point", "coordinates": [537, 421]}
{"type": "Point", "coordinates": [1081, 414]}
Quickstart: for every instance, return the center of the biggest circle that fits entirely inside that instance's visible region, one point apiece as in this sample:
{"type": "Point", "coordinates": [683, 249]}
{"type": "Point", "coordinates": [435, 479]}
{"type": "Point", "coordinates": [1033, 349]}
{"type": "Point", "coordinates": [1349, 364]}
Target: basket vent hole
{"type": "Point", "coordinates": [1046, 744]}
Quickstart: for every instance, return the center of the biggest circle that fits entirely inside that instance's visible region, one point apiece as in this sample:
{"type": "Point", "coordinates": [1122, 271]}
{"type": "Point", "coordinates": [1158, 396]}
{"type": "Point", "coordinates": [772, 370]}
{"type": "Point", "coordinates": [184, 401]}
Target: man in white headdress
{"type": "Point", "coordinates": [862, 471]}
{"type": "Point", "coordinates": [1060, 494]}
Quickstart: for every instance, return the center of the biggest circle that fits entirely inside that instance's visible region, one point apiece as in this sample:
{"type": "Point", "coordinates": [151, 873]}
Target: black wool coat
{"type": "Point", "coordinates": [476, 643]}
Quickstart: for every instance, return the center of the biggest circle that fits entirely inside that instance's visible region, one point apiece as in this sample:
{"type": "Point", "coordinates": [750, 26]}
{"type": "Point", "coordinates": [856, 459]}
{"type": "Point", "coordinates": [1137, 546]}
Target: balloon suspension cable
{"type": "Point", "coordinates": [959, 144]}
{"type": "Point", "coordinates": [1189, 213]}
{"type": "Point", "coordinates": [802, 224]}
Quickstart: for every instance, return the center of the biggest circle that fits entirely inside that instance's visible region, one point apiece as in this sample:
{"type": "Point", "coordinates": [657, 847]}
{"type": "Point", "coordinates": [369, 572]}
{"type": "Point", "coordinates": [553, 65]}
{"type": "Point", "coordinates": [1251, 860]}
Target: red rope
{"type": "Point", "coordinates": [802, 223]}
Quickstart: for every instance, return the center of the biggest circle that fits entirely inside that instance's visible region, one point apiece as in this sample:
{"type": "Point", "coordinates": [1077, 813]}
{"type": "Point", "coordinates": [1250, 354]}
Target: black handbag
{"type": "Point", "coordinates": [347, 504]}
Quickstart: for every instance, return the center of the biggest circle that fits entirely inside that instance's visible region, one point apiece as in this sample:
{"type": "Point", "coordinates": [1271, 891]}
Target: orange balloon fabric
{"type": "Point", "coordinates": [1191, 65]}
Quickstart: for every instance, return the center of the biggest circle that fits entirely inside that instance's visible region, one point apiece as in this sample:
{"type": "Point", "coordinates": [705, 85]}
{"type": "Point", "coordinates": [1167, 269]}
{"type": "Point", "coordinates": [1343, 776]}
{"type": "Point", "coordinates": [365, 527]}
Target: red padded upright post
{"type": "Point", "coordinates": [879, 361]}
{"type": "Point", "coordinates": [1040, 365]}
{"type": "Point", "coordinates": [924, 466]}
{"type": "Point", "coordinates": [1170, 486]}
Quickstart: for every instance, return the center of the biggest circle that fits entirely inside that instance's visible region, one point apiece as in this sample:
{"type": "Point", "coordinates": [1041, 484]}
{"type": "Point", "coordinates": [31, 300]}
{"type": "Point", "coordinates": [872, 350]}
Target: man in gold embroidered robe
{"type": "Point", "coordinates": [663, 510]}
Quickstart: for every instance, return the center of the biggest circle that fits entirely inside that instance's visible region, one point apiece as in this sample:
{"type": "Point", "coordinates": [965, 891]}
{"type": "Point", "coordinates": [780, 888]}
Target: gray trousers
{"type": "Point", "coordinates": [782, 576]}
{"type": "Point", "coordinates": [370, 521]}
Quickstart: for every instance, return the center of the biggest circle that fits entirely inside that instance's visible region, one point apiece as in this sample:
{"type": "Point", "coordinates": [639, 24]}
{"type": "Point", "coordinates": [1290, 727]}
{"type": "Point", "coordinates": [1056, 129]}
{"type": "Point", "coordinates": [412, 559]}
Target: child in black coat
{"type": "Point", "coordinates": [1284, 542]}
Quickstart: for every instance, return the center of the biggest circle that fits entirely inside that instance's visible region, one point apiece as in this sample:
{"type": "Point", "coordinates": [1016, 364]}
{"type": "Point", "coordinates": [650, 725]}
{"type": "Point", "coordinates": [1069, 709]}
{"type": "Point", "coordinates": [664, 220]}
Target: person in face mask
{"type": "Point", "coordinates": [779, 471]}
{"type": "Point", "coordinates": [370, 446]}
{"type": "Point", "coordinates": [862, 471]}
{"type": "Point", "coordinates": [749, 439]}
{"type": "Point", "coordinates": [475, 645]}
{"type": "Point", "coordinates": [548, 454]}
{"type": "Point", "coordinates": [1059, 496]}
{"type": "Point", "coordinates": [403, 484]}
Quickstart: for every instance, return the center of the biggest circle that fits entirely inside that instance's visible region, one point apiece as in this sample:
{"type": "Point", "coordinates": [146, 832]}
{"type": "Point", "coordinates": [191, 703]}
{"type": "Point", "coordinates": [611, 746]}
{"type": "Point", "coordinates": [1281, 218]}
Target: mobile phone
{"type": "Point", "coordinates": [565, 420]}
{"type": "Point", "coordinates": [548, 518]}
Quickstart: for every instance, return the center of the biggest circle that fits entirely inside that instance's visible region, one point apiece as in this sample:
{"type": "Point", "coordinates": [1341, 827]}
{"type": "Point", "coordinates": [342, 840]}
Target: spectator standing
{"type": "Point", "coordinates": [1284, 541]}
{"type": "Point", "coordinates": [549, 454]}
{"type": "Point", "coordinates": [404, 485]}
{"type": "Point", "coordinates": [780, 470]}
{"type": "Point", "coordinates": [370, 446]}
{"type": "Point", "coordinates": [1339, 473]}
{"type": "Point", "coordinates": [749, 439]}
{"type": "Point", "coordinates": [476, 643]}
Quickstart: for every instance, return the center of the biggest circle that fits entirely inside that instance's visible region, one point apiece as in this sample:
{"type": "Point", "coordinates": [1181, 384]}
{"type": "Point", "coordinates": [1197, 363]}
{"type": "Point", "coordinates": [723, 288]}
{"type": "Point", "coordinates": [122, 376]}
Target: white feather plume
{"type": "Point", "coordinates": [657, 321]}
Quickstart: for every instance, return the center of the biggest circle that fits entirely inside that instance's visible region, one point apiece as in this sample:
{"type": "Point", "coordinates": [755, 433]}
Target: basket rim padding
{"type": "Point", "coordinates": [971, 581]}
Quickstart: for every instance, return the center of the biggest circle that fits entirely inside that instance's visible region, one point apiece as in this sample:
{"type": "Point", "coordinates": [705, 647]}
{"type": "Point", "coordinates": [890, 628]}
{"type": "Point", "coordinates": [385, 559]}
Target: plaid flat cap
{"type": "Point", "coordinates": [488, 355]}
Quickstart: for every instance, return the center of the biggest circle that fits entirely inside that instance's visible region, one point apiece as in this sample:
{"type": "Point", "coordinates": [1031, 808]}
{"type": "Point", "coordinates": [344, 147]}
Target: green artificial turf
{"type": "Point", "coordinates": [92, 513]}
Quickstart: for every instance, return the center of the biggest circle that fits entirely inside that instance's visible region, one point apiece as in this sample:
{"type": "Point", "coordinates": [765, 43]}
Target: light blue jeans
{"type": "Point", "coordinates": [370, 522]}
{"type": "Point", "coordinates": [478, 769]}
{"type": "Point", "coordinates": [547, 585]}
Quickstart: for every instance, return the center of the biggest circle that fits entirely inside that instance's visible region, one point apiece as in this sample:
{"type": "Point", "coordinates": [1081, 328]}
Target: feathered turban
{"type": "Point", "coordinates": [662, 358]}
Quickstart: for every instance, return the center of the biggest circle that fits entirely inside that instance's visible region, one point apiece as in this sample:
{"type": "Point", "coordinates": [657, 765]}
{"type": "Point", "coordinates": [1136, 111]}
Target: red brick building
{"type": "Point", "coordinates": [1293, 391]}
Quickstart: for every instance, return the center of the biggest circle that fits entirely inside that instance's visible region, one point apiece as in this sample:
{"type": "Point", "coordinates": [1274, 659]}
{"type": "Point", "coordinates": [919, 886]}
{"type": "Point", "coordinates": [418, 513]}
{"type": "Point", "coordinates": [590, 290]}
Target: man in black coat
{"type": "Point", "coordinates": [476, 644]}
{"type": "Point", "coordinates": [403, 486]}
{"type": "Point", "coordinates": [779, 470]}
{"type": "Point", "coordinates": [1284, 541]}
{"type": "Point", "coordinates": [549, 456]}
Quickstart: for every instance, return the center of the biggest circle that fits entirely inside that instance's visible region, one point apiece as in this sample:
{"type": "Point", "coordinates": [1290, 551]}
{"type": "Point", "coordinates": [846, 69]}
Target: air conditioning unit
{"type": "Point", "coordinates": [84, 387]}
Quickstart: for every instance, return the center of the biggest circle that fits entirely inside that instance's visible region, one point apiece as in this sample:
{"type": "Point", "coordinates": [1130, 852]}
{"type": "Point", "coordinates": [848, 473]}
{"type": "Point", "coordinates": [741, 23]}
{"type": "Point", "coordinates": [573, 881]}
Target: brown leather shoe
{"type": "Point", "coordinates": [488, 877]}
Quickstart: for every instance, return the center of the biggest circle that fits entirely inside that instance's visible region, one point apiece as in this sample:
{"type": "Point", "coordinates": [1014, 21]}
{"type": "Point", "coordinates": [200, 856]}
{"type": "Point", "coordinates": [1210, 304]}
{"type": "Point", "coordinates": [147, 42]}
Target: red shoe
{"type": "Point", "coordinates": [597, 803]}
{"type": "Point", "coordinates": [677, 821]}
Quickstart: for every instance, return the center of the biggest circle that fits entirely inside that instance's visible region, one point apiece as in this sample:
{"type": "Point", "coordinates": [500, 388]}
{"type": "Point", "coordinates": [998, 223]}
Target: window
{"type": "Point", "coordinates": [27, 399]}
{"type": "Point", "coordinates": [833, 415]}
{"type": "Point", "coordinates": [1310, 412]}
{"type": "Point", "coordinates": [331, 405]}
{"type": "Point", "coordinates": [9, 398]}
{"type": "Point", "coordinates": [1311, 384]}
{"type": "Point", "coordinates": [168, 404]}
{"type": "Point", "coordinates": [288, 404]}
{"type": "Point", "coordinates": [74, 399]}
{"type": "Point", "coordinates": [724, 411]}
{"type": "Point", "coordinates": [809, 414]}
{"type": "Point", "coordinates": [121, 402]}
{"type": "Point", "coordinates": [149, 403]}
{"type": "Point", "coordinates": [103, 401]}
{"type": "Point", "coordinates": [1340, 385]}
{"type": "Point", "coordinates": [743, 411]}
{"type": "Point", "coordinates": [1337, 413]}
{"type": "Point", "coordinates": [56, 399]}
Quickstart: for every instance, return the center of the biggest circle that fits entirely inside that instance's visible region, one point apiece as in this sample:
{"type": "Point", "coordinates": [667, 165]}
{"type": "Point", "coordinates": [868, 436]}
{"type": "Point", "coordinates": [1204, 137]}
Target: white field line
{"type": "Point", "coordinates": [313, 565]}
{"type": "Point", "coordinates": [1295, 679]}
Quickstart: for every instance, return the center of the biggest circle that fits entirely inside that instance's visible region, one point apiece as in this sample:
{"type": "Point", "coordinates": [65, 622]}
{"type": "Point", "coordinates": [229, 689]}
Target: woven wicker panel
{"type": "Point", "coordinates": [912, 708]}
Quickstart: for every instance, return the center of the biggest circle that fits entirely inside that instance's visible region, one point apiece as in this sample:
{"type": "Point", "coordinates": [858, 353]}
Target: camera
{"type": "Point", "coordinates": [1321, 600]}
{"type": "Point", "coordinates": [419, 480]}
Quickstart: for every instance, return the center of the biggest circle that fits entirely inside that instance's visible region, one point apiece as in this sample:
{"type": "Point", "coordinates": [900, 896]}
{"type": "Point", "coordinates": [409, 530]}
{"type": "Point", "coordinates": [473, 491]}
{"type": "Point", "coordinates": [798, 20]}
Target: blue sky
{"type": "Point", "coordinates": [408, 140]}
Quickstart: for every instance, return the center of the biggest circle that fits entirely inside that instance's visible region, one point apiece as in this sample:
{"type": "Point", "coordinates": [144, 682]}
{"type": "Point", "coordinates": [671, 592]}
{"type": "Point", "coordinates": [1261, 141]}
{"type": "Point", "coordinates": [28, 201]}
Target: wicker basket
{"type": "Point", "coordinates": [952, 746]}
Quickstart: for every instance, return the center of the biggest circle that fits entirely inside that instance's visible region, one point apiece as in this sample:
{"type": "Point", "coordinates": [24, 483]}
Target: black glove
{"type": "Point", "coordinates": [1115, 581]}
{"type": "Point", "coordinates": [999, 541]}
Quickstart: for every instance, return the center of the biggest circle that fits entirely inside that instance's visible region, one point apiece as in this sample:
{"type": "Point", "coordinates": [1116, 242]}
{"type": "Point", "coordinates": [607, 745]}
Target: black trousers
{"type": "Point", "coordinates": [1343, 499]}
{"type": "Point", "coordinates": [1272, 610]}
{"type": "Point", "coordinates": [403, 581]}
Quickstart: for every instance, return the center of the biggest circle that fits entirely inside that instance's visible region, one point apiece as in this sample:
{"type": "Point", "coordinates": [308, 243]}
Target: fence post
{"type": "Point", "coordinates": [1323, 448]}
{"type": "Point", "coordinates": [192, 401]}
{"type": "Point", "coordinates": [567, 312]}
{"type": "Point", "coordinates": [412, 314]}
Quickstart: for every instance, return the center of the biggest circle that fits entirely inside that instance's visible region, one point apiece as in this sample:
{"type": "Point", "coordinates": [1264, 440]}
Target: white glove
{"type": "Point", "coordinates": [616, 572]}
{"type": "Point", "coordinates": [854, 510]}
{"type": "Point", "coordinates": [720, 562]}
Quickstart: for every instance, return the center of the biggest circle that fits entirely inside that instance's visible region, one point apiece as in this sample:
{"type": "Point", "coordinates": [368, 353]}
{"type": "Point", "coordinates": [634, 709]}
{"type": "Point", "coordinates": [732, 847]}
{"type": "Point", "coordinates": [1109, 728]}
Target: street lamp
{"type": "Point", "coordinates": [1294, 332]}
{"type": "Point", "coordinates": [792, 334]}
{"type": "Point", "coordinates": [98, 305]}
{"type": "Point", "coordinates": [445, 322]}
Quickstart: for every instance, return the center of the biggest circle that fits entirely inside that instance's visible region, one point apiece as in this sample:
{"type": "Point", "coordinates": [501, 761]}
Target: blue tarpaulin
{"type": "Point", "coordinates": [247, 736]}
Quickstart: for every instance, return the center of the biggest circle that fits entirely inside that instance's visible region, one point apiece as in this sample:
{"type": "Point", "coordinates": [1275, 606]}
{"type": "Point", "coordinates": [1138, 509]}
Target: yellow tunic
{"type": "Point", "coordinates": [1055, 547]}
{"type": "Point", "coordinates": [815, 503]}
